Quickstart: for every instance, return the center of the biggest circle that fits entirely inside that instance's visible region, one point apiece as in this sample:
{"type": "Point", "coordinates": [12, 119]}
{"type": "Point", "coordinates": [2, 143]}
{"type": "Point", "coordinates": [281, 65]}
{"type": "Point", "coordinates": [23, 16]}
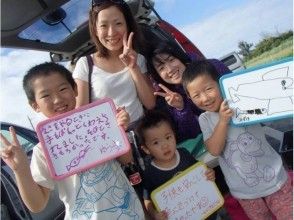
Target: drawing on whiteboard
{"type": "Point", "coordinates": [247, 148]}
{"type": "Point", "coordinates": [76, 161]}
{"type": "Point", "coordinates": [257, 111]}
{"type": "Point", "coordinates": [275, 88]}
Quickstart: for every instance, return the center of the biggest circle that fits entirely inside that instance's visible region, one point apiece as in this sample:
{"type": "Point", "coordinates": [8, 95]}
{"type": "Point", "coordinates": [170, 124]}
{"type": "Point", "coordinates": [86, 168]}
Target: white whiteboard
{"type": "Point", "coordinates": [260, 94]}
{"type": "Point", "coordinates": [188, 195]}
{"type": "Point", "coordinates": [82, 138]}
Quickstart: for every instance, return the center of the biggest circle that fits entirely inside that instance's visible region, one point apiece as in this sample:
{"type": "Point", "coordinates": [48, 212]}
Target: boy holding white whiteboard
{"type": "Point", "coordinates": [253, 170]}
{"type": "Point", "coordinates": [102, 191]}
{"type": "Point", "coordinates": [157, 136]}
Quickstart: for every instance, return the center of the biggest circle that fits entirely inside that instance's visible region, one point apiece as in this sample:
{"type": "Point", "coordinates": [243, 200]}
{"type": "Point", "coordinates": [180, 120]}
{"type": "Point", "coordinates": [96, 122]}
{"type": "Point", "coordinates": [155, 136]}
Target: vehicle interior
{"type": "Point", "coordinates": [61, 27]}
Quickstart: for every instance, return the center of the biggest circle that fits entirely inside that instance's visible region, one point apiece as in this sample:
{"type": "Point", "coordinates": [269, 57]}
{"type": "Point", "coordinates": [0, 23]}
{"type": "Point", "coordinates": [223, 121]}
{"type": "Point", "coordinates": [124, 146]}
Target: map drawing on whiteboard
{"type": "Point", "coordinates": [261, 94]}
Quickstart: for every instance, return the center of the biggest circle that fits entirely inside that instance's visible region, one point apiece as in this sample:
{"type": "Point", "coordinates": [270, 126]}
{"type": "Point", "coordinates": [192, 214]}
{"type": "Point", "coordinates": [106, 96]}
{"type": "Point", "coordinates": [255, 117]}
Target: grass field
{"type": "Point", "coordinates": [282, 51]}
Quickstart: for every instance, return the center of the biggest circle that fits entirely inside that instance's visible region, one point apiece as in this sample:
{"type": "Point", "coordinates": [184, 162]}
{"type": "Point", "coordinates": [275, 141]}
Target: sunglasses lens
{"type": "Point", "coordinates": [99, 2]}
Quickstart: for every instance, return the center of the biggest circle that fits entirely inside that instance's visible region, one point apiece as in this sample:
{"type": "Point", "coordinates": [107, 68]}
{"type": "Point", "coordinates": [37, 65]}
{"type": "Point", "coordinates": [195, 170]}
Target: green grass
{"type": "Point", "coordinates": [285, 49]}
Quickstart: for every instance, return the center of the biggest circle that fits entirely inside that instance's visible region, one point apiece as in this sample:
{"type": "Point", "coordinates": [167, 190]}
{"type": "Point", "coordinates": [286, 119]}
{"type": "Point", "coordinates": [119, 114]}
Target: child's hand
{"type": "Point", "coordinates": [13, 154]}
{"type": "Point", "coordinates": [129, 55]}
{"type": "Point", "coordinates": [122, 117]}
{"type": "Point", "coordinates": [172, 98]}
{"type": "Point", "coordinates": [210, 174]}
{"type": "Point", "coordinates": [161, 215]}
{"type": "Point", "coordinates": [225, 112]}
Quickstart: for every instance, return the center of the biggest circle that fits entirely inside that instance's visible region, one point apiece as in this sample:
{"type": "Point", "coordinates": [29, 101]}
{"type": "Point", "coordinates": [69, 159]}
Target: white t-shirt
{"type": "Point", "coordinates": [252, 168]}
{"type": "Point", "coordinates": [102, 192]}
{"type": "Point", "coordinates": [119, 86]}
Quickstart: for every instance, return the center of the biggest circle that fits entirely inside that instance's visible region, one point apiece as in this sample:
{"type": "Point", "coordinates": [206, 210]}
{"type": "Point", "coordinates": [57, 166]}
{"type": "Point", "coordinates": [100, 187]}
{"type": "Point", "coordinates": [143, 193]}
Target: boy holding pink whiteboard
{"type": "Point", "coordinates": [102, 191]}
{"type": "Point", "coordinates": [157, 136]}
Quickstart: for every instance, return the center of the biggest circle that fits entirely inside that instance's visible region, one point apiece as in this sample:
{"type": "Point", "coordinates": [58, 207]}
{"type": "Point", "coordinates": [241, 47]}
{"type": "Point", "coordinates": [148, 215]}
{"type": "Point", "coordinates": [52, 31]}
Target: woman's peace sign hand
{"type": "Point", "coordinates": [12, 153]}
{"type": "Point", "coordinates": [129, 55]}
{"type": "Point", "coordinates": [172, 98]}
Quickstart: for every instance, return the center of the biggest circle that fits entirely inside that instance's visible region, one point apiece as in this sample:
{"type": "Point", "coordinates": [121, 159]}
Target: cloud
{"type": "Point", "coordinates": [219, 34]}
{"type": "Point", "coordinates": [166, 5]}
{"type": "Point", "coordinates": [14, 106]}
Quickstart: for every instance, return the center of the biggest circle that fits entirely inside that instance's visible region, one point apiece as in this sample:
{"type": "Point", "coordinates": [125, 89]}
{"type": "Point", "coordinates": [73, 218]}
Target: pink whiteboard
{"type": "Point", "coordinates": [82, 138]}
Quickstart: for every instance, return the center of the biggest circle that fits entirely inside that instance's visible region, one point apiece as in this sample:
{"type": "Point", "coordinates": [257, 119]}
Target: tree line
{"type": "Point", "coordinates": [266, 44]}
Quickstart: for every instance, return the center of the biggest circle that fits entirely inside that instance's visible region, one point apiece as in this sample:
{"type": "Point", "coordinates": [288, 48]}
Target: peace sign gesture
{"type": "Point", "coordinates": [129, 55]}
{"type": "Point", "coordinates": [172, 98]}
{"type": "Point", "coordinates": [12, 153]}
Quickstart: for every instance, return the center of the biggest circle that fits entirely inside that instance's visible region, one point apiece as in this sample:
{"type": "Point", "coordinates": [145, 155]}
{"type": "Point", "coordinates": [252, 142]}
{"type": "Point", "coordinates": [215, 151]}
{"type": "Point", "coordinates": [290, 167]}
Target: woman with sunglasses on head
{"type": "Point", "coordinates": [118, 70]}
{"type": "Point", "coordinates": [117, 73]}
{"type": "Point", "coordinates": [166, 64]}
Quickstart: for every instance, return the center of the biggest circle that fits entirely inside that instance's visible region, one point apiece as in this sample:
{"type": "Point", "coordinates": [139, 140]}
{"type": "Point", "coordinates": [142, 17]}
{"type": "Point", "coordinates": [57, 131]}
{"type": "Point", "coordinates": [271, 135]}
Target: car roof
{"type": "Point", "coordinates": [59, 26]}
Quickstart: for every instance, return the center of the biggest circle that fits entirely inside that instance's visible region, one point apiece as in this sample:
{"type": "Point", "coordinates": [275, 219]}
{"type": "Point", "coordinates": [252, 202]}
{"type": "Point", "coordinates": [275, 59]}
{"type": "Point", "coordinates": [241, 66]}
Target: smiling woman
{"type": "Point", "coordinates": [118, 70]}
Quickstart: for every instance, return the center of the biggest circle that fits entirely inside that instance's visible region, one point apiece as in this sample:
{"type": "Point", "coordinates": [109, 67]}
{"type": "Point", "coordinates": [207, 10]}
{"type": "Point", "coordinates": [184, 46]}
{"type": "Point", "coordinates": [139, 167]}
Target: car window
{"type": "Point", "coordinates": [58, 26]}
{"type": "Point", "coordinates": [229, 60]}
{"type": "Point", "coordinates": [26, 143]}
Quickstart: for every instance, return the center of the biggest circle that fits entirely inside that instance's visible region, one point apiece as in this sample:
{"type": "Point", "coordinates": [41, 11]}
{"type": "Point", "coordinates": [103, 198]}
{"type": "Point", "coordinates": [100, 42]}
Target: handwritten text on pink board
{"type": "Point", "coordinates": [82, 138]}
{"type": "Point", "coordinates": [189, 195]}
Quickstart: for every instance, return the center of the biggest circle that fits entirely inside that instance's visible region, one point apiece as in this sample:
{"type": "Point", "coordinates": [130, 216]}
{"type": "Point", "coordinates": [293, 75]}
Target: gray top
{"type": "Point", "coordinates": [252, 168]}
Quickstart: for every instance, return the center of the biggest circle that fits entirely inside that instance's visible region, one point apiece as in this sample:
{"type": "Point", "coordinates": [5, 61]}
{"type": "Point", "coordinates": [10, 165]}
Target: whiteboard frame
{"type": "Point", "coordinates": [179, 176]}
{"type": "Point", "coordinates": [122, 151]}
{"type": "Point", "coordinates": [223, 92]}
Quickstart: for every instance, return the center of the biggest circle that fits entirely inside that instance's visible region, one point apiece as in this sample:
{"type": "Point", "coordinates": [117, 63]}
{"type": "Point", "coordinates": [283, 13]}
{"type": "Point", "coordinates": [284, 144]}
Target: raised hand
{"type": "Point", "coordinates": [210, 174]}
{"type": "Point", "coordinates": [12, 153]}
{"type": "Point", "coordinates": [172, 98]}
{"type": "Point", "coordinates": [225, 112]}
{"type": "Point", "coordinates": [122, 117]}
{"type": "Point", "coordinates": [161, 215]}
{"type": "Point", "coordinates": [129, 55]}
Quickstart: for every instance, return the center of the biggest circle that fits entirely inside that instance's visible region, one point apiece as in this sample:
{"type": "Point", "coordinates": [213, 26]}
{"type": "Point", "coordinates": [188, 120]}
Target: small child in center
{"type": "Point", "coordinates": [157, 136]}
{"type": "Point", "coordinates": [253, 170]}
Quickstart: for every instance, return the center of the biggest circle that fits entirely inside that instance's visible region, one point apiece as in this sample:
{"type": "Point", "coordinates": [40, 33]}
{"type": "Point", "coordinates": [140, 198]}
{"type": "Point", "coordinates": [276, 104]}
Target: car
{"type": "Point", "coordinates": [12, 206]}
{"type": "Point", "coordinates": [53, 26]}
{"type": "Point", "coordinates": [233, 61]}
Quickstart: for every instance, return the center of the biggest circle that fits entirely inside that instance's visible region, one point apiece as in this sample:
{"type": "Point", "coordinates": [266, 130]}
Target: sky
{"type": "Point", "coordinates": [214, 26]}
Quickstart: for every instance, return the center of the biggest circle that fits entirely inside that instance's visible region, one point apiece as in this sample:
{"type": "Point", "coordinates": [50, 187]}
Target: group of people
{"type": "Point", "coordinates": [194, 103]}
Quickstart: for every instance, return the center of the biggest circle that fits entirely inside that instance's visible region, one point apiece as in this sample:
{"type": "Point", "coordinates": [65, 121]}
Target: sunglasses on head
{"type": "Point", "coordinates": [99, 2]}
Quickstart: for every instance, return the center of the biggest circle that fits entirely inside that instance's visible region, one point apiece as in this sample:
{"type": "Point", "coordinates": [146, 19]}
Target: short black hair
{"type": "Point", "coordinates": [198, 68]}
{"type": "Point", "coordinates": [41, 70]}
{"type": "Point", "coordinates": [151, 119]}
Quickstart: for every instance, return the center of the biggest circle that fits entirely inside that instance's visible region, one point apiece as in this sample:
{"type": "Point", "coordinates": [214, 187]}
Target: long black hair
{"type": "Point", "coordinates": [167, 48]}
{"type": "Point", "coordinates": [130, 21]}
